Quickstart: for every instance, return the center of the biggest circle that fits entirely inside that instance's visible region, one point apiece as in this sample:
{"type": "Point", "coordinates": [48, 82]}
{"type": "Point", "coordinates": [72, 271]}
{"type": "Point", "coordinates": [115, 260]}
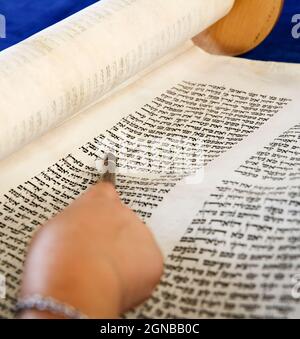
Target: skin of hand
{"type": "Point", "coordinates": [96, 255]}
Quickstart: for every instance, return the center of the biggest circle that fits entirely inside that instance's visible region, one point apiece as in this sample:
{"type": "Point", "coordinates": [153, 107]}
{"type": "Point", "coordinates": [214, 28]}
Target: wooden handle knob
{"type": "Point", "coordinates": [244, 28]}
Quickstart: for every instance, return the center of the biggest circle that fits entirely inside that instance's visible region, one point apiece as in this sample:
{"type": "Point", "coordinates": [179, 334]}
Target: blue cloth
{"type": "Point", "coordinates": [26, 17]}
{"type": "Point", "coordinates": [280, 45]}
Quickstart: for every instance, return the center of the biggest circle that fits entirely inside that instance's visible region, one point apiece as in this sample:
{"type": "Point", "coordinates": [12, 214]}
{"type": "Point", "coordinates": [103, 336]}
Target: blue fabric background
{"type": "Point", "coordinates": [26, 17]}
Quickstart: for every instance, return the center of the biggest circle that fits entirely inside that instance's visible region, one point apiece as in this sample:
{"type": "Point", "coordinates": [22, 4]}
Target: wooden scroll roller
{"type": "Point", "coordinates": [244, 28]}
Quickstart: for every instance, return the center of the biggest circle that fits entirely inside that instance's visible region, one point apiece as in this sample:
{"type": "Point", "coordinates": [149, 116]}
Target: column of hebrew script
{"type": "Point", "coordinates": [239, 257]}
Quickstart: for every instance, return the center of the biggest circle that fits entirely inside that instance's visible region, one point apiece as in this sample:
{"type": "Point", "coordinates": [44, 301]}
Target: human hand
{"type": "Point", "coordinates": [96, 256]}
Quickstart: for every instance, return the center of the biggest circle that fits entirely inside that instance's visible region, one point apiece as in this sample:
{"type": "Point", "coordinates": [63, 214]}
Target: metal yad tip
{"type": "Point", "coordinates": [109, 169]}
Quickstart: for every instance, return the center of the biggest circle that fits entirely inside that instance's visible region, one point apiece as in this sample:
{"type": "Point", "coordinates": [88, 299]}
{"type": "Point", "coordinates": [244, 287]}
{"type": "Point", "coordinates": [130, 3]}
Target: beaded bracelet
{"type": "Point", "coordinates": [48, 304]}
